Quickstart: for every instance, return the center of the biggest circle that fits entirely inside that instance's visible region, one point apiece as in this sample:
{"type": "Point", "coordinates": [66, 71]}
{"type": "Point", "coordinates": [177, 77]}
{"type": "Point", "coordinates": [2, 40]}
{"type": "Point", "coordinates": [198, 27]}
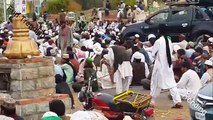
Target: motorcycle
{"type": "Point", "coordinates": [117, 107]}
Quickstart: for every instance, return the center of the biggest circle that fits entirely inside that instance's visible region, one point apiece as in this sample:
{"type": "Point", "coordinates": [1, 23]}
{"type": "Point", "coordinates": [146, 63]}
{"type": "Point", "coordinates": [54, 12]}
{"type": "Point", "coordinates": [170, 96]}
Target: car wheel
{"type": "Point", "coordinates": [200, 38]}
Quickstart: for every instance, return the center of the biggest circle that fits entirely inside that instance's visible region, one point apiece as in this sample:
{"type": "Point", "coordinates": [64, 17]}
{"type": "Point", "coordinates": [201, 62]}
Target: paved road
{"type": "Point", "coordinates": [163, 109]}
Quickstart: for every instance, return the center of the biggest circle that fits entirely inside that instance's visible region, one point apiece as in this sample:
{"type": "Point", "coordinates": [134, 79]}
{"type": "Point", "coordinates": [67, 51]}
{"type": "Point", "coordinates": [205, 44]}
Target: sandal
{"type": "Point", "coordinates": [178, 106]}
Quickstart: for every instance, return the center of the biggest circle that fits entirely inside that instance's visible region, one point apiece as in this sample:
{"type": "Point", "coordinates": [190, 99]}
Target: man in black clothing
{"type": "Point", "coordinates": [63, 88]}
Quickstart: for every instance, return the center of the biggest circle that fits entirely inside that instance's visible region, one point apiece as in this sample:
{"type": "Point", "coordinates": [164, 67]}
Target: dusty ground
{"type": "Point", "coordinates": [163, 109]}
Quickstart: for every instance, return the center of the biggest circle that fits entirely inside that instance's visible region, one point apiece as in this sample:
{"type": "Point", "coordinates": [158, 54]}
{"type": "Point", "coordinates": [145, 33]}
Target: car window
{"type": "Point", "coordinates": [179, 15]}
{"type": "Point", "coordinates": [160, 17]}
{"type": "Point", "coordinates": [198, 14]}
{"type": "Point", "coordinates": [208, 11]}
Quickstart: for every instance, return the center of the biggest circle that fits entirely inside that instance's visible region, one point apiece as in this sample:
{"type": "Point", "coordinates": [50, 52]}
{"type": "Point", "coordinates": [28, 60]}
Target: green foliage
{"type": "Point", "coordinates": [88, 4]}
{"type": "Point", "coordinates": [115, 3]}
{"type": "Point", "coordinates": [55, 6]}
{"type": "Point", "coordinates": [1, 15]}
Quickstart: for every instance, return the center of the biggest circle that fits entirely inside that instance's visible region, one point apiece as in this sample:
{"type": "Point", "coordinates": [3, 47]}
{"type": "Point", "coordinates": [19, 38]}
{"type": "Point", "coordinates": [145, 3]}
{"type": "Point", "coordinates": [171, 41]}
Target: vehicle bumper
{"type": "Point", "coordinates": [195, 114]}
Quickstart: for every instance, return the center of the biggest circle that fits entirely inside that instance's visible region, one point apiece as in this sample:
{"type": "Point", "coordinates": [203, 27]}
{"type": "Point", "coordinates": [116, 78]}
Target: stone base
{"type": "Point", "coordinates": [32, 83]}
{"type": "Point", "coordinates": [29, 78]}
{"type": "Point", "coordinates": [33, 109]}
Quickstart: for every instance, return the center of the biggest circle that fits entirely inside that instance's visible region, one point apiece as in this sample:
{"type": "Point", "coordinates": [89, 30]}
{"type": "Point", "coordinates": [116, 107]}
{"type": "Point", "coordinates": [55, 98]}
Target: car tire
{"type": "Point", "coordinates": [200, 38]}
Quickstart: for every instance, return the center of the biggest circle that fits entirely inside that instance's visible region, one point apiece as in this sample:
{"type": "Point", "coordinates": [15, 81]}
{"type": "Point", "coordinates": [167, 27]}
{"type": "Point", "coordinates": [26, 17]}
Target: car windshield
{"type": "Point", "coordinates": [208, 11]}
{"type": "Point", "coordinates": [71, 15]}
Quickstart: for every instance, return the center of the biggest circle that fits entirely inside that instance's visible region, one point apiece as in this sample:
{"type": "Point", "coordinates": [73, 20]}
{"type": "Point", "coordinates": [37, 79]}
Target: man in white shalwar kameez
{"type": "Point", "coordinates": [163, 76]}
{"type": "Point", "coordinates": [121, 66]}
{"type": "Point", "coordinates": [189, 83]}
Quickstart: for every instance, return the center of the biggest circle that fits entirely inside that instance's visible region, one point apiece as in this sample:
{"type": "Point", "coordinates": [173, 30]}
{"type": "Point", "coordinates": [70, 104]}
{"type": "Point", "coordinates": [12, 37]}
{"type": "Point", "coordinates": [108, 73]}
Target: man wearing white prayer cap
{"type": "Point", "coordinates": [138, 55]}
{"type": "Point", "coordinates": [137, 36]}
{"type": "Point", "coordinates": [112, 43]}
{"type": "Point", "coordinates": [207, 77]}
{"type": "Point", "coordinates": [140, 69]}
{"type": "Point", "coordinates": [151, 36]}
{"type": "Point", "coordinates": [97, 50]}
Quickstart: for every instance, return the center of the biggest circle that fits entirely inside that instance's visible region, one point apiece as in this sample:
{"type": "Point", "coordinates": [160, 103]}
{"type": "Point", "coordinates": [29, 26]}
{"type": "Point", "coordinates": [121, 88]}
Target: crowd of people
{"type": "Point", "coordinates": [96, 53]}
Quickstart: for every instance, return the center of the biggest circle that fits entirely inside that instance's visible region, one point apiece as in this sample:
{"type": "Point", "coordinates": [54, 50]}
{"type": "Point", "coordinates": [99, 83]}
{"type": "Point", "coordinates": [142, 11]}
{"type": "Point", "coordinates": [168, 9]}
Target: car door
{"type": "Point", "coordinates": [152, 23]}
{"type": "Point", "coordinates": [179, 22]}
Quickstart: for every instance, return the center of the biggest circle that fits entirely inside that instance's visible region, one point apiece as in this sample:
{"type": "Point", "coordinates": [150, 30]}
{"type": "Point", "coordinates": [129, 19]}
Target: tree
{"type": "Point", "coordinates": [88, 4]}
{"type": "Point", "coordinates": [55, 6]}
{"type": "Point", "coordinates": [115, 3]}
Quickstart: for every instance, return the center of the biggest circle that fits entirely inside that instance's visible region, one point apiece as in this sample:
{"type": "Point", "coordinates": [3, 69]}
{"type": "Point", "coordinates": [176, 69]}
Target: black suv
{"type": "Point", "coordinates": [192, 20]}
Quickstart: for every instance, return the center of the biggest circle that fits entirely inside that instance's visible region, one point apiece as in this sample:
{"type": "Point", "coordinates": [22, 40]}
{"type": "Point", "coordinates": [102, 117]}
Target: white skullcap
{"type": "Point", "coordinates": [46, 32]}
{"type": "Point", "coordinates": [176, 48]}
{"type": "Point", "coordinates": [208, 62]}
{"type": "Point", "coordinates": [117, 30]}
{"type": "Point", "coordinates": [138, 55]}
{"type": "Point", "coordinates": [151, 36]}
{"type": "Point", "coordinates": [98, 50]}
{"type": "Point", "coordinates": [113, 32]}
{"type": "Point", "coordinates": [10, 32]}
{"type": "Point", "coordinates": [92, 34]}
{"type": "Point", "coordinates": [191, 44]}
{"type": "Point", "coordinates": [112, 42]}
{"type": "Point", "coordinates": [137, 36]}
{"type": "Point", "coordinates": [210, 39]}
{"type": "Point", "coordinates": [49, 114]}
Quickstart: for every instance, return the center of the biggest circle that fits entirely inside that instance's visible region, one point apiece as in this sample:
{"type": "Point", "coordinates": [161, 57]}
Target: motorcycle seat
{"type": "Point", "coordinates": [108, 99]}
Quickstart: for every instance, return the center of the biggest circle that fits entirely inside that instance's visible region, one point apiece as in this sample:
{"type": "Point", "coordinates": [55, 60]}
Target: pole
{"type": "Point", "coordinates": [5, 10]}
{"type": "Point", "coordinates": [146, 5]}
{"type": "Point", "coordinates": [38, 7]}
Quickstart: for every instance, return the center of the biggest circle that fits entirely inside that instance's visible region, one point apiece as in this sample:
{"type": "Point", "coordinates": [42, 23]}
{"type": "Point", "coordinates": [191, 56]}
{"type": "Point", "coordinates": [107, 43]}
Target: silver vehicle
{"type": "Point", "coordinates": [202, 107]}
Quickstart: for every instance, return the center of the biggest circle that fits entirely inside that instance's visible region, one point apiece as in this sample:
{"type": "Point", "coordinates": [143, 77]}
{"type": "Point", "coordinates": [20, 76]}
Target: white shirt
{"type": "Point", "coordinates": [182, 44]}
{"type": "Point", "coordinates": [189, 52]}
{"type": "Point", "coordinates": [206, 78]}
{"type": "Point", "coordinates": [3, 117]}
{"type": "Point", "coordinates": [190, 81]}
{"type": "Point", "coordinates": [87, 43]}
{"type": "Point", "coordinates": [58, 70]}
{"type": "Point", "coordinates": [32, 35]}
{"type": "Point", "coordinates": [162, 73]}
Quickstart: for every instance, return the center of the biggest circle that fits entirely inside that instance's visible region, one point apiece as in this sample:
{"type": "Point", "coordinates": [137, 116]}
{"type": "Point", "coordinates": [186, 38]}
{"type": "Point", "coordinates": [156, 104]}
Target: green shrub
{"type": "Point", "coordinates": [115, 3]}
{"type": "Point", "coordinates": [88, 4]}
{"type": "Point", "coordinates": [55, 6]}
{"type": "Point", "coordinates": [1, 15]}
